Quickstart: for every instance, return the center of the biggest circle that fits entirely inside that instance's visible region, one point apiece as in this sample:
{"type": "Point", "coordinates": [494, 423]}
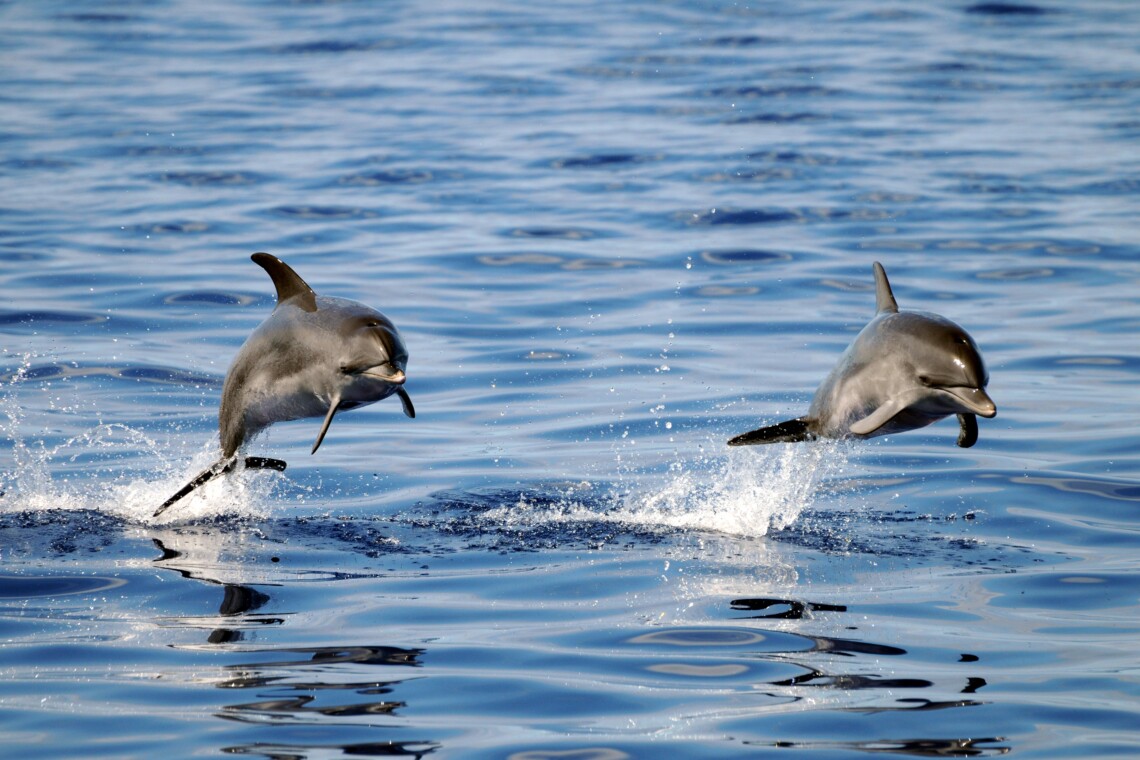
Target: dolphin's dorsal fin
{"type": "Point", "coordinates": [884, 298]}
{"type": "Point", "coordinates": [290, 286]}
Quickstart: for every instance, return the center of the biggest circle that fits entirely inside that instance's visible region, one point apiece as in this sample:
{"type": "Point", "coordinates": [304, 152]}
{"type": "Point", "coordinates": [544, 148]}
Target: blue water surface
{"type": "Point", "coordinates": [613, 235]}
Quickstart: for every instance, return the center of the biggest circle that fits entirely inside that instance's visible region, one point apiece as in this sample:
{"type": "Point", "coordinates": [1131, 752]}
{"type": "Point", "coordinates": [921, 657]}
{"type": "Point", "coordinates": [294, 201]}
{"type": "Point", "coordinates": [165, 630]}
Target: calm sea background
{"type": "Point", "coordinates": [613, 235]}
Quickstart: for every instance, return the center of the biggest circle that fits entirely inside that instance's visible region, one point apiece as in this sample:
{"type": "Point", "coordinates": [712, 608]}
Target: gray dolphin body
{"type": "Point", "coordinates": [903, 371]}
{"type": "Point", "coordinates": [312, 357]}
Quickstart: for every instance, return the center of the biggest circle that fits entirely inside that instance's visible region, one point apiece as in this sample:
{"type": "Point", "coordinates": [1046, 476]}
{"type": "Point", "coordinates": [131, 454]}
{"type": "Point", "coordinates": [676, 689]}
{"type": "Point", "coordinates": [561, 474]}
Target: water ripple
{"type": "Point", "coordinates": [611, 234]}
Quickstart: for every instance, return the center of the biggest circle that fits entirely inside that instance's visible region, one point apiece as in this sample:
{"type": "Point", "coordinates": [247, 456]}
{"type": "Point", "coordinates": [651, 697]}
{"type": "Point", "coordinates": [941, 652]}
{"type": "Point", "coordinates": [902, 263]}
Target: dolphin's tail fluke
{"type": "Point", "coordinates": [221, 467]}
{"type": "Point", "coordinates": [789, 431]}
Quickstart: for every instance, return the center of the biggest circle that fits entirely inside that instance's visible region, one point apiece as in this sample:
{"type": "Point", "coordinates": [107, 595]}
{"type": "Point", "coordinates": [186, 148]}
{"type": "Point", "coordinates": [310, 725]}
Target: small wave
{"type": "Point", "coordinates": [336, 46]}
{"type": "Point", "coordinates": [556, 233]}
{"type": "Point", "coordinates": [138, 373]}
{"type": "Point", "coordinates": [743, 256]}
{"type": "Point", "coordinates": [780, 91]}
{"type": "Point", "coordinates": [739, 40]}
{"type": "Point", "coordinates": [323, 212]}
{"type": "Point", "coordinates": [772, 117]}
{"type": "Point", "coordinates": [1005, 9]}
{"type": "Point", "coordinates": [211, 297]}
{"type": "Point", "coordinates": [743, 216]}
{"type": "Point", "coordinates": [600, 160]}
{"type": "Point", "coordinates": [388, 177]}
{"type": "Point", "coordinates": [213, 178]}
{"type": "Point", "coordinates": [50, 318]}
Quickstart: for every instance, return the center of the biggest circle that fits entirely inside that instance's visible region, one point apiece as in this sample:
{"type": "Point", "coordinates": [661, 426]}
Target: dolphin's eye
{"type": "Point", "coordinates": [924, 379]}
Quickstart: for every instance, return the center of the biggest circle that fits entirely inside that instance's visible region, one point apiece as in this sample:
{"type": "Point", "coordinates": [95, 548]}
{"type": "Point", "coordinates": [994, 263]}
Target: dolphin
{"type": "Point", "coordinates": [904, 370]}
{"type": "Point", "coordinates": [313, 356]}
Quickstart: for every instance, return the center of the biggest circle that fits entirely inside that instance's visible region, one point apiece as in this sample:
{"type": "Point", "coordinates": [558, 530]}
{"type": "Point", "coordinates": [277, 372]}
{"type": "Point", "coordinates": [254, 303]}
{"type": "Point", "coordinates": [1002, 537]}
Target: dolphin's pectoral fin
{"type": "Point", "coordinates": [884, 298]}
{"type": "Point", "coordinates": [288, 283]}
{"type": "Point", "coordinates": [968, 435]}
{"type": "Point", "coordinates": [876, 419]}
{"type": "Point", "coordinates": [221, 467]}
{"type": "Point", "coordinates": [788, 431]}
{"type": "Point", "coordinates": [325, 425]}
{"type": "Point", "coordinates": [406, 400]}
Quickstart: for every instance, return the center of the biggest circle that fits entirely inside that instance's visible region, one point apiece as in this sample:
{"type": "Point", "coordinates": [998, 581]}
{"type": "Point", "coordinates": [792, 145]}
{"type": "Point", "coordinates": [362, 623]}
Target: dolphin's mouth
{"type": "Point", "coordinates": [386, 373]}
{"type": "Point", "coordinates": [975, 400]}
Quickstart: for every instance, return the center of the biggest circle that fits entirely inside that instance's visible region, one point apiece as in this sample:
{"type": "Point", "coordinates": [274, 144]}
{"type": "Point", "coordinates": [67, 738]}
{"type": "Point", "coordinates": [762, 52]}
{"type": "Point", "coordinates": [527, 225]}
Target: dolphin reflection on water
{"type": "Point", "coordinates": [903, 371]}
{"type": "Point", "coordinates": [312, 357]}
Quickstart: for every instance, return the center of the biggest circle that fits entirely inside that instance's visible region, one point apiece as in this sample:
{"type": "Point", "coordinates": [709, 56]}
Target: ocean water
{"type": "Point", "coordinates": [612, 235]}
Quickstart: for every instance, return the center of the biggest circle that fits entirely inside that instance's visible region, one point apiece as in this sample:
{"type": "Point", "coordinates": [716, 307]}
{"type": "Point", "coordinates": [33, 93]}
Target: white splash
{"type": "Point", "coordinates": [747, 493]}
{"type": "Point", "coordinates": [133, 497]}
{"type": "Point", "coordinates": [90, 472]}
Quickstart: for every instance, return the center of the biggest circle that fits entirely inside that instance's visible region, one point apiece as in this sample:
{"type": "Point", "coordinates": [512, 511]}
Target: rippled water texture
{"type": "Point", "coordinates": [613, 235]}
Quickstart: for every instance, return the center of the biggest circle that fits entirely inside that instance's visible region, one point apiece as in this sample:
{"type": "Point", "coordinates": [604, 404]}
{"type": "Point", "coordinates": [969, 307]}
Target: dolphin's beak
{"type": "Point", "coordinates": [387, 373]}
{"type": "Point", "coordinates": [976, 400]}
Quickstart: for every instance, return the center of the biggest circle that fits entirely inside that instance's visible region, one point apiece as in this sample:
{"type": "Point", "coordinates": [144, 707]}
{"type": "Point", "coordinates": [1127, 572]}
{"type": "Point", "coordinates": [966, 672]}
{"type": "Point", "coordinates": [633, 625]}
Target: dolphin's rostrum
{"type": "Point", "coordinates": [903, 371]}
{"type": "Point", "coordinates": [313, 356]}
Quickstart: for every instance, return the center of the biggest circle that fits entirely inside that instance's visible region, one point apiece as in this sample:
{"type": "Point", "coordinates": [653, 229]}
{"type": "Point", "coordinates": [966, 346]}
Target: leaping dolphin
{"type": "Point", "coordinates": [312, 357]}
{"type": "Point", "coordinates": [903, 371]}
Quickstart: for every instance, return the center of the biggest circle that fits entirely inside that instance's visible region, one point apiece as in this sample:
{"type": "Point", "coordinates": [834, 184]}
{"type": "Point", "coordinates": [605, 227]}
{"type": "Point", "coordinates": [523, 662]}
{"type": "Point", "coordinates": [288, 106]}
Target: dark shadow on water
{"type": "Point", "coordinates": [1006, 9]}
{"type": "Point", "coordinates": [785, 609]}
{"type": "Point", "coordinates": [365, 749]}
{"type": "Point", "coordinates": [322, 686]}
{"type": "Point", "coordinates": [238, 600]}
{"type": "Point", "coordinates": [294, 685]}
{"type": "Point", "coordinates": [908, 747]}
